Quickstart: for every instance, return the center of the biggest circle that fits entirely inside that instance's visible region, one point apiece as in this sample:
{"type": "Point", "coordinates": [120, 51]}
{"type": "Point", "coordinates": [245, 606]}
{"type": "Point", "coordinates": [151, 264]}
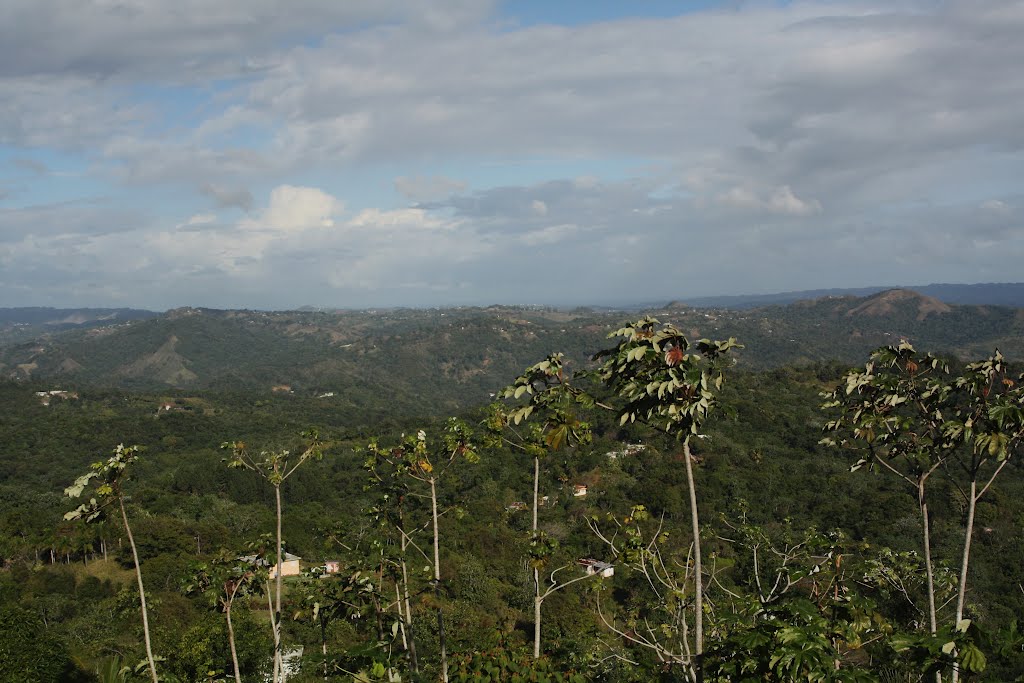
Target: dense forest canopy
{"type": "Point", "coordinates": [551, 518]}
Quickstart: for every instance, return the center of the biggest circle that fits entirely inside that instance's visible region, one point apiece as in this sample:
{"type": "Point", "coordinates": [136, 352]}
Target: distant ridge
{"type": "Point", "coordinates": [70, 317]}
{"type": "Point", "coordinates": [983, 294]}
{"type": "Point", "coordinates": [470, 353]}
{"type": "Point", "coordinates": [18, 324]}
{"type": "Point", "coordinates": [889, 301]}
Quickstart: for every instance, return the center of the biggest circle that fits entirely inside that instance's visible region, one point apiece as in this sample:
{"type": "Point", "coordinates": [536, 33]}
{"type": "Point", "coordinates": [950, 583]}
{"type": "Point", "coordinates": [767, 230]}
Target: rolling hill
{"type": "Point", "coordinates": [460, 356]}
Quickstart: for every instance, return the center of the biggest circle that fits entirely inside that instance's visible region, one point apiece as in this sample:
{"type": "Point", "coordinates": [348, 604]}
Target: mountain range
{"type": "Point", "coordinates": [460, 356]}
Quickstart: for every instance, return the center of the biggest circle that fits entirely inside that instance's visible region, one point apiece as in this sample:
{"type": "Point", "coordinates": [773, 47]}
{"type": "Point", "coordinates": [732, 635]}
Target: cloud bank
{"type": "Point", "coordinates": [271, 154]}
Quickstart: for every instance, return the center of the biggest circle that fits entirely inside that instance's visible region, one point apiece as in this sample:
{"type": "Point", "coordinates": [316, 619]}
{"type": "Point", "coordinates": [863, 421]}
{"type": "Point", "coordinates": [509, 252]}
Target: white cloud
{"type": "Point", "coordinates": [550, 235]}
{"type": "Point", "coordinates": [415, 219]}
{"type": "Point", "coordinates": [200, 219]}
{"type": "Point", "coordinates": [293, 209]}
{"type": "Point", "coordinates": [783, 200]}
{"type": "Point", "coordinates": [740, 197]}
{"type": "Point", "coordinates": [995, 206]}
{"type": "Point", "coordinates": [727, 131]}
{"type": "Point", "coordinates": [780, 201]}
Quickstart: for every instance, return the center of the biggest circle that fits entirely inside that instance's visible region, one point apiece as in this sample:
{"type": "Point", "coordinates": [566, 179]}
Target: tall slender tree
{"type": "Point", "coordinates": [107, 479]}
{"type": "Point", "coordinates": [552, 407]}
{"type": "Point", "coordinates": [913, 417]}
{"type": "Point", "coordinates": [670, 384]}
{"type": "Point", "coordinates": [275, 467]}
{"type": "Point", "coordinates": [223, 580]}
{"type": "Point", "coordinates": [427, 463]}
{"type": "Point", "coordinates": [390, 513]}
{"type": "Point", "coordinates": [892, 412]}
{"type": "Point", "coordinates": [989, 422]}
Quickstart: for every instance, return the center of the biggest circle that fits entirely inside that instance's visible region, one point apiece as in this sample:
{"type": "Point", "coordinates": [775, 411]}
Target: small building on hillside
{"type": "Point", "coordinates": [592, 566]}
{"type": "Point", "coordinates": [629, 450]}
{"type": "Point", "coordinates": [45, 397]}
{"type": "Point", "coordinates": [579, 490]}
{"type": "Point", "coordinates": [289, 564]}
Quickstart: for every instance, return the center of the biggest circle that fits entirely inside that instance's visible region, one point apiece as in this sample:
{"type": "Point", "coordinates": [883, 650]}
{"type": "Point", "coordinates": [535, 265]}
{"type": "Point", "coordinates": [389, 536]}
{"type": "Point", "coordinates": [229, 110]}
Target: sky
{"type": "Point", "coordinates": [279, 153]}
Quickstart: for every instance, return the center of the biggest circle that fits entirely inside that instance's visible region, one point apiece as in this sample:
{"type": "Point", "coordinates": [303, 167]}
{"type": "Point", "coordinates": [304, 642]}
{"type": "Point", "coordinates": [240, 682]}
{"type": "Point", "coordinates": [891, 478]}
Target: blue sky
{"type": "Point", "coordinates": [271, 154]}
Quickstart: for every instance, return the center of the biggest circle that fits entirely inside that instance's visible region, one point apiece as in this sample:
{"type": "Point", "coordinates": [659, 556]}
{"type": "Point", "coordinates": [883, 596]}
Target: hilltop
{"type": "Point", "coordinates": [982, 294]}
{"type": "Point", "coordinates": [18, 324]}
{"type": "Point", "coordinates": [460, 356]}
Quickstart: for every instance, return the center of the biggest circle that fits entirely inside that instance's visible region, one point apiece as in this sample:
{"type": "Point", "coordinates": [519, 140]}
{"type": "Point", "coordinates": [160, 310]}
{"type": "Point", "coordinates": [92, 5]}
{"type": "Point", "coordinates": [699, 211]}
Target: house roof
{"type": "Point", "coordinates": [596, 564]}
{"type": "Point", "coordinates": [253, 559]}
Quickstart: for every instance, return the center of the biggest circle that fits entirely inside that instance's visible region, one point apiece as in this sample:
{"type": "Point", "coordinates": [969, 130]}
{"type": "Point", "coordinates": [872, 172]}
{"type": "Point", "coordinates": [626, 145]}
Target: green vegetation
{"type": "Point", "coordinates": [723, 541]}
{"type": "Point", "coordinates": [456, 358]}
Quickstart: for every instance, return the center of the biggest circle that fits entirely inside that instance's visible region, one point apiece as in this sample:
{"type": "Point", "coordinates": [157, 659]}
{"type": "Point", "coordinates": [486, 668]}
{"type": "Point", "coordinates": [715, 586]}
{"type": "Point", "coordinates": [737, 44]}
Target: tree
{"type": "Point", "coordinates": [642, 551]}
{"type": "Point", "coordinates": [324, 599]}
{"type": "Point", "coordinates": [989, 422]}
{"type": "Point", "coordinates": [387, 478]}
{"type": "Point", "coordinates": [672, 390]}
{"type": "Point", "coordinates": [552, 406]}
{"type": "Point", "coordinates": [913, 417]}
{"type": "Point", "coordinates": [415, 458]}
{"type": "Point", "coordinates": [108, 479]}
{"type": "Point", "coordinates": [222, 581]}
{"type": "Point", "coordinates": [29, 653]}
{"type": "Point", "coordinates": [893, 411]}
{"type": "Point", "coordinates": [275, 467]}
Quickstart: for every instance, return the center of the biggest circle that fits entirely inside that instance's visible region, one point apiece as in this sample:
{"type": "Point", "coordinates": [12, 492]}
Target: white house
{"type": "Point", "coordinates": [592, 566]}
{"type": "Point", "coordinates": [289, 564]}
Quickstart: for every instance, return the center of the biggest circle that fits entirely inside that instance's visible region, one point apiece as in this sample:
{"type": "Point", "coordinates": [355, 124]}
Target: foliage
{"type": "Point", "coordinates": [773, 617]}
{"type": "Point", "coordinates": [107, 479]}
{"type": "Point", "coordinates": [30, 654]}
{"type": "Point", "coordinates": [651, 369]}
{"type": "Point", "coordinates": [499, 664]}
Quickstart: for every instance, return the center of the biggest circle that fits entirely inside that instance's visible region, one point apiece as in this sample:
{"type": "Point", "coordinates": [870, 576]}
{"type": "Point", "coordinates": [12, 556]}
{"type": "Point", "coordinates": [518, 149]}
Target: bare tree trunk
{"type": "Point", "coordinates": [972, 502]}
{"type": "Point", "coordinates": [323, 644]}
{"type": "Point", "coordinates": [925, 524]}
{"type": "Point", "coordinates": [536, 490]}
{"type": "Point", "coordinates": [537, 602]}
{"type": "Point", "coordinates": [537, 599]}
{"type": "Point", "coordinates": [377, 608]}
{"type": "Point", "coordinates": [698, 588]}
{"type": "Point", "coordinates": [142, 592]}
{"type": "Point", "coordinates": [929, 573]}
{"type": "Point", "coordinates": [231, 636]}
{"type": "Point", "coordinates": [437, 584]}
{"type": "Point", "coordinates": [273, 628]}
{"type": "Point", "coordinates": [278, 673]}
{"type": "Point", "coordinates": [408, 609]}
{"type": "Point", "coordinates": [401, 617]}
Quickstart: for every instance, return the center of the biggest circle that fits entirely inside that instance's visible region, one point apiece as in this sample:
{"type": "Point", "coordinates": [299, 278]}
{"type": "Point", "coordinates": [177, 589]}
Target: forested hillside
{"type": "Point", "coordinates": [20, 324]}
{"type": "Point", "coordinates": [456, 358]}
{"type": "Point", "coordinates": [809, 571]}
